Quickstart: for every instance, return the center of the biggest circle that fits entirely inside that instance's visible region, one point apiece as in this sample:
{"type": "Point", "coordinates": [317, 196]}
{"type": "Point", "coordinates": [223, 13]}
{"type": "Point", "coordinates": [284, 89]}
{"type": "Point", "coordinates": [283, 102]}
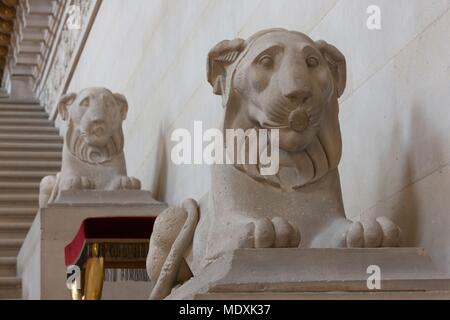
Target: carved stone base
{"type": "Point", "coordinates": [406, 273]}
{"type": "Point", "coordinates": [41, 259]}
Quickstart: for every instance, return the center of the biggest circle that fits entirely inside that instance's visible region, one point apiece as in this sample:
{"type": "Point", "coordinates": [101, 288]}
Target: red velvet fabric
{"type": "Point", "coordinates": [139, 228]}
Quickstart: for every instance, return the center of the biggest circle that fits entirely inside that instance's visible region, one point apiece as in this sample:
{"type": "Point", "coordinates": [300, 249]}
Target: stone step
{"type": "Point", "coordinates": [8, 267]}
{"type": "Point", "coordinates": [25, 122]}
{"type": "Point", "coordinates": [24, 176]}
{"type": "Point", "coordinates": [9, 282]}
{"type": "Point", "coordinates": [23, 114]}
{"type": "Point", "coordinates": [32, 47]}
{"type": "Point", "coordinates": [29, 155]}
{"type": "Point", "coordinates": [42, 7]}
{"type": "Point", "coordinates": [19, 186]}
{"type": "Point", "coordinates": [21, 146]}
{"type": "Point", "coordinates": [18, 213]}
{"type": "Point", "coordinates": [14, 230]}
{"type": "Point", "coordinates": [28, 130]}
{"type": "Point", "coordinates": [30, 138]}
{"type": "Point", "coordinates": [11, 294]}
{"type": "Point", "coordinates": [29, 58]}
{"type": "Point", "coordinates": [21, 107]}
{"type": "Point", "coordinates": [35, 34]}
{"type": "Point", "coordinates": [30, 149]}
{"type": "Point", "coordinates": [15, 227]}
{"type": "Point", "coordinates": [10, 288]}
{"type": "Point", "coordinates": [10, 247]}
{"type": "Point", "coordinates": [31, 165]}
{"type": "Point", "coordinates": [39, 21]}
{"type": "Point", "coordinates": [12, 197]}
{"type": "Point", "coordinates": [26, 70]}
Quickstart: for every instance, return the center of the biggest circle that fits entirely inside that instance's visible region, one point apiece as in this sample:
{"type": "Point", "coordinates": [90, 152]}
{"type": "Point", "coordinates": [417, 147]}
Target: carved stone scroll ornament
{"type": "Point", "coordinates": [93, 157]}
{"type": "Point", "coordinates": [277, 79]}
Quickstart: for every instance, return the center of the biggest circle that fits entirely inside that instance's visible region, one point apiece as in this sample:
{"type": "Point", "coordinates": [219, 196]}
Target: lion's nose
{"type": "Point", "coordinates": [97, 127]}
{"type": "Point", "coordinates": [97, 122]}
{"type": "Point", "coordinates": [299, 96]}
{"type": "Point", "coordinates": [294, 82]}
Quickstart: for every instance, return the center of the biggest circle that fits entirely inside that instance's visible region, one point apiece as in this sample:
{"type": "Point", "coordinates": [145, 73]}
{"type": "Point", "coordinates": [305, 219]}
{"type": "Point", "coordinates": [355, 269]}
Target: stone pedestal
{"type": "Point", "coordinates": [406, 273]}
{"type": "Point", "coordinates": [41, 258]}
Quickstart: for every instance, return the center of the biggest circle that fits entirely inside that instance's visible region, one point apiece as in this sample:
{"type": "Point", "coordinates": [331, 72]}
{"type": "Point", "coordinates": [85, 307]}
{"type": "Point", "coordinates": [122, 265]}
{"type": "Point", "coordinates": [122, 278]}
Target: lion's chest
{"type": "Point", "coordinates": [101, 174]}
{"type": "Point", "coordinates": [310, 208]}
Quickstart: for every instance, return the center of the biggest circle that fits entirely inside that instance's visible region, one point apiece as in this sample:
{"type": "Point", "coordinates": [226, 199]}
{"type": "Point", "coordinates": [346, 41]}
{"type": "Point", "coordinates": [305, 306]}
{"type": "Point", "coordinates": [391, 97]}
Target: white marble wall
{"type": "Point", "coordinates": [395, 115]}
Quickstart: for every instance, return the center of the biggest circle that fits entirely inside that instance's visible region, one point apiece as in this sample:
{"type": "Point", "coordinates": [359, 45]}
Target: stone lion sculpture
{"type": "Point", "coordinates": [277, 79]}
{"type": "Point", "coordinates": [93, 157]}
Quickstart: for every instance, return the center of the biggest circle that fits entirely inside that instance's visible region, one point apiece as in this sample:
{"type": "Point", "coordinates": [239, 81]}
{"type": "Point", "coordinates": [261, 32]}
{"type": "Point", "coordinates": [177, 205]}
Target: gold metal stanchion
{"type": "Point", "coordinates": [95, 274]}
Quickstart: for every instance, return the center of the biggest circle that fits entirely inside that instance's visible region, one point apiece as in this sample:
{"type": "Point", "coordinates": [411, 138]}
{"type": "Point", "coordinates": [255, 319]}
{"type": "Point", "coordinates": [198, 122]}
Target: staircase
{"type": "Point", "coordinates": [30, 149]}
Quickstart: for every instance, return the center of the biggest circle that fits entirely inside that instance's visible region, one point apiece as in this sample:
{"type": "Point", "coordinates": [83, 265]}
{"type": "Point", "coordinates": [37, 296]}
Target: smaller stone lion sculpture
{"type": "Point", "coordinates": [93, 157]}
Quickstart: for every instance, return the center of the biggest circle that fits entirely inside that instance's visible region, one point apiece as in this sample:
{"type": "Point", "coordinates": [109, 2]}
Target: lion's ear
{"type": "Point", "coordinates": [219, 58]}
{"type": "Point", "coordinates": [64, 103]}
{"type": "Point", "coordinates": [123, 103]}
{"type": "Point", "coordinates": [337, 64]}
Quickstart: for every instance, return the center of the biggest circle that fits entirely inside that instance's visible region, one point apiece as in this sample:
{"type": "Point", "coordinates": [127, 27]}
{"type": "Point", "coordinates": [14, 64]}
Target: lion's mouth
{"type": "Point", "coordinates": [98, 131]}
{"type": "Point", "coordinates": [91, 149]}
{"type": "Point", "coordinates": [96, 140]}
{"type": "Point", "coordinates": [298, 119]}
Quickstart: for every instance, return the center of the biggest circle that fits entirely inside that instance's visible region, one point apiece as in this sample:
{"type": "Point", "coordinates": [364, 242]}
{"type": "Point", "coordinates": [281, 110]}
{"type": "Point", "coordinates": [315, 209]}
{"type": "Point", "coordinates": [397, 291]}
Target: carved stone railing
{"type": "Point", "coordinates": [69, 45]}
{"type": "Point", "coordinates": [47, 39]}
{"type": "Point", "coordinates": [29, 38]}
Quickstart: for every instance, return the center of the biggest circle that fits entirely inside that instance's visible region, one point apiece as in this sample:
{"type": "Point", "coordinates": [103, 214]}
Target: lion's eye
{"type": "Point", "coordinates": [266, 61]}
{"type": "Point", "coordinates": [85, 102]}
{"type": "Point", "coordinates": [312, 62]}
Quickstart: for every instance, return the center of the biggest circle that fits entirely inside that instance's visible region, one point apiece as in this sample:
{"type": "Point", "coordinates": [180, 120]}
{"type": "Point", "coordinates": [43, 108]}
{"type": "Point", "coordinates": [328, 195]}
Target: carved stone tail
{"type": "Point", "coordinates": [169, 271]}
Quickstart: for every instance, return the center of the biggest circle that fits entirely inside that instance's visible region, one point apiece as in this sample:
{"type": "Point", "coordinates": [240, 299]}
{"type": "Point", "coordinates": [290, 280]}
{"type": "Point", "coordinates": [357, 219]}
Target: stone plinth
{"type": "Point", "coordinates": [41, 258]}
{"type": "Point", "coordinates": [406, 273]}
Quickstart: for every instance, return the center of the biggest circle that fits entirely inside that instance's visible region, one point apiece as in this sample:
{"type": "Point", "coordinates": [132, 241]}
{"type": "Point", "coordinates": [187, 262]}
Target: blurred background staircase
{"type": "Point", "coordinates": [30, 149]}
{"type": "Point", "coordinates": [40, 45]}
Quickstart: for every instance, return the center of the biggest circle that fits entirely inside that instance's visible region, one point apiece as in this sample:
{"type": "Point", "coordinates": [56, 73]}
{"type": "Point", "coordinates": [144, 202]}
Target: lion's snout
{"type": "Point", "coordinates": [95, 132]}
{"type": "Point", "coordinates": [297, 92]}
{"type": "Point", "coordinates": [97, 128]}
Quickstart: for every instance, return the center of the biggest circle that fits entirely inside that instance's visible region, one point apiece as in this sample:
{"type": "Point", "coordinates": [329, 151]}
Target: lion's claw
{"type": "Point", "coordinates": [275, 233]}
{"type": "Point", "coordinates": [128, 183]}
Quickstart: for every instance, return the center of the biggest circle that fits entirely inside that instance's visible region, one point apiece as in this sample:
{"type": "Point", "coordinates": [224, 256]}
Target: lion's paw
{"type": "Point", "coordinates": [381, 232]}
{"type": "Point", "coordinates": [77, 183]}
{"type": "Point", "coordinates": [275, 233]}
{"type": "Point", "coordinates": [128, 183]}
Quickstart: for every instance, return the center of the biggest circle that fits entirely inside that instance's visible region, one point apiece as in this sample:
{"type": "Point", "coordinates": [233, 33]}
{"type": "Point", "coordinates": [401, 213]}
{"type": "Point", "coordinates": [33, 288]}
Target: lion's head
{"type": "Point", "coordinates": [280, 79]}
{"type": "Point", "coordinates": [95, 117]}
